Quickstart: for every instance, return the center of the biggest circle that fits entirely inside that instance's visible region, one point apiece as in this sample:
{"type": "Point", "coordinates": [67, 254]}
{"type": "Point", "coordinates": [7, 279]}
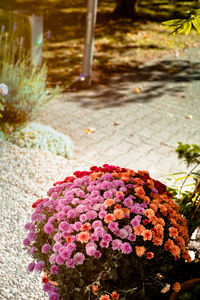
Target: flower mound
{"type": "Point", "coordinates": [111, 228]}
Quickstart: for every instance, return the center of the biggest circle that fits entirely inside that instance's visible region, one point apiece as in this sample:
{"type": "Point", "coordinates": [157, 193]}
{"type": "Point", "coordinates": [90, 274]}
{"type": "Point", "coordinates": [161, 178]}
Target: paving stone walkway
{"type": "Point", "coordinates": [137, 118]}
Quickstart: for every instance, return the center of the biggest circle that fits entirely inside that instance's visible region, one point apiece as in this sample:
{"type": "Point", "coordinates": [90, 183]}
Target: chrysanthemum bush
{"type": "Point", "coordinates": [107, 233]}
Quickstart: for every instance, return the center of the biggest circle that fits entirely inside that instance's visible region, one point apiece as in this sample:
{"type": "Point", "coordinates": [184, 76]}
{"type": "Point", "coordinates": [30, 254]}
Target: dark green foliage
{"type": "Point", "coordinates": [189, 200]}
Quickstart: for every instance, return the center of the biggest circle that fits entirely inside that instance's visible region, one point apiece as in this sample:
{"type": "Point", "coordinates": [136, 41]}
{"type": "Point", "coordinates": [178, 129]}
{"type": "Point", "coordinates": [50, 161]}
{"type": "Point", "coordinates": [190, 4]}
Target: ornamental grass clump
{"type": "Point", "coordinates": [26, 83]}
{"type": "Point", "coordinates": [107, 233]}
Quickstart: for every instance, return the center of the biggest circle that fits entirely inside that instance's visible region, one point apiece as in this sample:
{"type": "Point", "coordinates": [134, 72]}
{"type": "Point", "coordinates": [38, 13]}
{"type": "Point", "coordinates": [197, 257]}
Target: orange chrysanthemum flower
{"type": "Point", "coordinates": [68, 239]}
{"type": "Point", "coordinates": [126, 210]}
{"type": "Point", "coordinates": [186, 256]}
{"type": "Point", "coordinates": [160, 221]}
{"type": "Point", "coordinates": [95, 289]}
{"type": "Point", "coordinates": [147, 235]}
{"type": "Point", "coordinates": [86, 227]}
{"type": "Point", "coordinates": [150, 183]}
{"type": "Point", "coordinates": [118, 206]}
{"type": "Point", "coordinates": [95, 175]}
{"type": "Point", "coordinates": [149, 213]}
{"type": "Point", "coordinates": [104, 297]}
{"type": "Point", "coordinates": [173, 232]}
{"type": "Point", "coordinates": [176, 287]}
{"type": "Point", "coordinates": [175, 250]}
{"type": "Point", "coordinates": [109, 218]}
{"type": "Point", "coordinates": [84, 237]}
{"type": "Point", "coordinates": [180, 242]}
{"type": "Point", "coordinates": [147, 199]}
{"type": "Point", "coordinates": [157, 241]}
{"type": "Point", "coordinates": [139, 230]}
{"type": "Point", "coordinates": [143, 173]}
{"type": "Point", "coordinates": [154, 207]}
{"type": "Point", "coordinates": [150, 255]}
{"type": "Point", "coordinates": [169, 244]}
{"type": "Point", "coordinates": [109, 202]}
{"type": "Point", "coordinates": [115, 296]}
{"type": "Point", "coordinates": [45, 279]}
{"type": "Point", "coordinates": [119, 214]}
{"type": "Point", "coordinates": [139, 192]}
{"type": "Point", "coordinates": [140, 250]}
{"type": "Point", "coordinates": [138, 181]}
{"type": "Point", "coordinates": [153, 220]}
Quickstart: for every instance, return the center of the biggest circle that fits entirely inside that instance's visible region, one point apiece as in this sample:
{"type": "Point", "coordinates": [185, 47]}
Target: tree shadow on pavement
{"type": "Point", "coordinates": [144, 84]}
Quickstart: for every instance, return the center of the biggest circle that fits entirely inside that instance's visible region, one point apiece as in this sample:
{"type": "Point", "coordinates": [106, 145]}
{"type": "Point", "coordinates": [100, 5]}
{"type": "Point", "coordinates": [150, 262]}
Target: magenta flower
{"type": "Point", "coordinates": [52, 258]}
{"type": "Point", "coordinates": [53, 296]}
{"type": "Point", "coordinates": [83, 218]}
{"type": "Point", "coordinates": [108, 194]}
{"type": "Point", "coordinates": [47, 287]}
{"type": "Point", "coordinates": [116, 244]}
{"type": "Point", "coordinates": [39, 266]}
{"type": "Point", "coordinates": [77, 226]}
{"type": "Point", "coordinates": [27, 226]}
{"type": "Point", "coordinates": [46, 248]}
{"type": "Point", "coordinates": [54, 269]}
{"type": "Point", "coordinates": [70, 263]}
{"type": "Point", "coordinates": [59, 260]}
{"type": "Point", "coordinates": [128, 202]}
{"type": "Point", "coordinates": [107, 237]}
{"type": "Point", "coordinates": [99, 231]}
{"type": "Point", "coordinates": [57, 237]}
{"type": "Point", "coordinates": [31, 266]}
{"type": "Point", "coordinates": [91, 215]}
{"type": "Point", "coordinates": [79, 258]}
{"type": "Point", "coordinates": [113, 226]}
{"type": "Point", "coordinates": [31, 235]}
{"type": "Point", "coordinates": [102, 214]}
{"type": "Point", "coordinates": [135, 222]}
{"type": "Point", "coordinates": [132, 237]}
{"type": "Point", "coordinates": [41, 218]}
{"type": "Point", "coordinates": [97, 223]}
{"type": "Point", "coordinates": [97, 254]}
{"type": "Point", "coordinates": [57, 246]}
{"type": "Point", "coordinates": [32, 250]}
{"type": "Point", "coordinates": [26, 242]}
{"type": "Point", "coordinates": [64, 253]}
{"type": "Point", "coordinates": [48, 228]}
{"type": "Point", "coordinates": [71, 214]}
{"type": "Point", "coordinates": [123, 234]}
{"type": "Point", "coordinates": [104, 244]}
{"type": "Point", "coordinates": [63, 226]}
{"type": "Point", "coordinates": [71, 247]}
{"type": "Point", "coordinates": [126, 248]}
{"type": "Point", "coordinates": [91, 250]}
{"type": "Point", "coordinates": [94, 237]}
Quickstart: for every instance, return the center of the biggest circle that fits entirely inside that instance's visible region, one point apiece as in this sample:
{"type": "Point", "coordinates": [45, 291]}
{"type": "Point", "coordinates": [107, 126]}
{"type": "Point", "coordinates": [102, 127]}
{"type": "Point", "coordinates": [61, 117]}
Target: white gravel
{"type": "Point", "coordinates": [25, 176]}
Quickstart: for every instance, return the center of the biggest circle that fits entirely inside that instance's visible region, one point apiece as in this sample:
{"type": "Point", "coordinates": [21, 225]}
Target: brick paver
{"type": "Point", "coordinates": [135, 130]}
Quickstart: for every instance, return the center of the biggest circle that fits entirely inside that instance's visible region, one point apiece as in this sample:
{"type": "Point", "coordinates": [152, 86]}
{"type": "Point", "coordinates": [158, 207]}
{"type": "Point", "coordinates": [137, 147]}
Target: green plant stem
{"type": "Point", "coordinates": [191, 171]}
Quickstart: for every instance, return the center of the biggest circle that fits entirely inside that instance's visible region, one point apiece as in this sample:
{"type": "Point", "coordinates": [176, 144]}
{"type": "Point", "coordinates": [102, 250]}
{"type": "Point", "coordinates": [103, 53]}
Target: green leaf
{"type": "Point", "coordinates": [196, 23]}
{"type": "Point", "coordinates": [173, 23]}
{"type": "Point", "coordinates": [187, 27]}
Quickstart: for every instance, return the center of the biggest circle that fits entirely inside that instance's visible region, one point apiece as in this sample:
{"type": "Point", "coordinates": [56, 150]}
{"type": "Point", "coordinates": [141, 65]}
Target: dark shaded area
{"type": "Point", "coordinates": [164, 77]}
{"type": "Point", "coordinates": [64, 32]}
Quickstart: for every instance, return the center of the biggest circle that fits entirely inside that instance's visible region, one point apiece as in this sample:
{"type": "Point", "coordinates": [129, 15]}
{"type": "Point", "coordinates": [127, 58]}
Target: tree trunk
{"type": "Point", "coordinates": [126, 8]}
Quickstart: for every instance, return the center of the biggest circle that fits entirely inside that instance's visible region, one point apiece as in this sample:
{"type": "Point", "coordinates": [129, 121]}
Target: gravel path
{"type": "Point", "coordinates": [24, 177]}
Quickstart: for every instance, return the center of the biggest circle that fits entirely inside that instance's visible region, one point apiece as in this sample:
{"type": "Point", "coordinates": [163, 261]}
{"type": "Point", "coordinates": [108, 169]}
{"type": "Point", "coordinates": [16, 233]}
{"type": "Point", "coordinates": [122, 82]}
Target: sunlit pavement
{"type": "Point", "coordinates": [136, 119]}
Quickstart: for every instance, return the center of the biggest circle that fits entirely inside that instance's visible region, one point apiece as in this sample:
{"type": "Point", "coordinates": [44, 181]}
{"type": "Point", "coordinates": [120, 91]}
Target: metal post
{"type": "Point", "coordinates": [89, 40]}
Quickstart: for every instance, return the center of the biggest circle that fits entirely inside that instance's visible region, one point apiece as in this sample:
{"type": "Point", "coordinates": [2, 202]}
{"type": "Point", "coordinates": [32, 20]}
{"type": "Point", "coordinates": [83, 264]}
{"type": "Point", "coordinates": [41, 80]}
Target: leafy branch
{"type": "Point", "coordinates": [186, 24]}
